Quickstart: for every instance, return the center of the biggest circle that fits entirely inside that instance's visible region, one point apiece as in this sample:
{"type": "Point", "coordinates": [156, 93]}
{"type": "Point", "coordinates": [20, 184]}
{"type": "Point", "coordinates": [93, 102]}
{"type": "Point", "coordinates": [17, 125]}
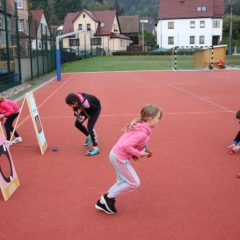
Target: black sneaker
{"type": "Point", "coordinates": [109, 203]}
{"type": "Point", "coordinates": [102, 207]}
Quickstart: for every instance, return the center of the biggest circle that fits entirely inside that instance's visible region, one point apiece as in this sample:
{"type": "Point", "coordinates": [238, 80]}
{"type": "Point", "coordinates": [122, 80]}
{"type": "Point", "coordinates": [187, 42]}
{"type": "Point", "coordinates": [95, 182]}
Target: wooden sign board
{"type": "Point", "coordinates": [8, 177]}
{"type": "Point", "coordinates": [36, 122]}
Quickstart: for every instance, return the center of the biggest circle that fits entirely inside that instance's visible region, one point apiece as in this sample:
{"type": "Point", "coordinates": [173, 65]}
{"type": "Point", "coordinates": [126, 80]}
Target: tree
{"type": "Point", "coordinates": [149, 39]}
{"type": "Point", "coordinates": [235, 7]}
{"type": "Point", "coordinates": [99, 6]}
{"type": "Point", "coordinates": [235, 30]}
{"type": "Point", "coordinates": [117, 7]}
{"type": "Point", "coordinates": [35, 4]}
{"type": "Point", "coordinates": [62, 7]}
{"type": "Point", "coordinates": [56, 10]}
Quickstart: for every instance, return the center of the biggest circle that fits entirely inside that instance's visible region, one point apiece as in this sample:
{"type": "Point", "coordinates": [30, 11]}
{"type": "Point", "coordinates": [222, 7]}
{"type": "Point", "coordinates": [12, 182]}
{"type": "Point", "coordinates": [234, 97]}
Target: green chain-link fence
{"type": "Point", "coordinates": [24, 53]}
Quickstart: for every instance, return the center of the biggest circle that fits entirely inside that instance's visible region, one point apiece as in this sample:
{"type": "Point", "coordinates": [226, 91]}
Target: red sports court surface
{"type": "Point", "coordinates": [189, 189]}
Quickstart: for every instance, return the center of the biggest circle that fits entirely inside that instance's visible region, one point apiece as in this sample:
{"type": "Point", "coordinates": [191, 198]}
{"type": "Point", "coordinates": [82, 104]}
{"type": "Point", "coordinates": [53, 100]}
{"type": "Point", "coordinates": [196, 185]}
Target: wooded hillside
{"type": "Point", "coordinates": [56, 10]}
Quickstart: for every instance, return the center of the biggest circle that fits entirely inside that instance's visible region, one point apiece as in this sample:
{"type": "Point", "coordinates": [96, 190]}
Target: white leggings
{"type": "Point", "coordinates": [127, 178]}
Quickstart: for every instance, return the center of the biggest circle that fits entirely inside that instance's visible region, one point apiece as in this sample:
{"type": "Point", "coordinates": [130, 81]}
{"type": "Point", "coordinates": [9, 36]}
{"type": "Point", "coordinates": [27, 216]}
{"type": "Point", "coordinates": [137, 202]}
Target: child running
{"type": "Point", "coordinates": [86, 106]}
{"type": "Point", "coordinates": [235, 147]}
{"type": "Point", "coordinates": [131, 145]}
{"type": "Point", "coordinates": [10, 111]}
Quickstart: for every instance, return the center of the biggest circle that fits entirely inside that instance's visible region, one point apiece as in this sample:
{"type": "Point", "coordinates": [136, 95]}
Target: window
{"type": "Point", "coordinates": [79, 26]}
{"type": "Point", "coordinates": [19, 3]}
{"type": "Point", "coordinates": [202, 24]}
{"type": "Point", "coordinates": [84, 15]}
{"type": "Point", "coordinates": [216, 24]}
{"type": "Point", "coordinates": [102, 24]}
{"type": "Point", "coordinates": [192, 24]}
{"type": "Point", "coordinates": [1, 23]}
{"type": "Point", "coordinates": [201, 40]}
{"type": "Point", "coordinates": [170, 40]}
{"type": "Point", "coordinates": [20, 25]}
{"type": "Point", "coordinates": [2, 39]}
{"type": "Point", "coordinates": [201, 8]}
{"type": "Point", "coordinates": [88, 27]}
{"type": "Point", "coordinates": [115, 28]}
{"type": "Point", "coordinates": [96, 41]}
{"type": "Point", "coordinates": [74, 42]}
{"type": "Point", "coordinates": [170, 25]}
{"type": "Point", "coordinates": [192, 39]}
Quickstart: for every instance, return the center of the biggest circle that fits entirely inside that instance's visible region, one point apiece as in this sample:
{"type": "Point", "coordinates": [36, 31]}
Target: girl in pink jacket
{"type": "Point", "coordinates": [131, 145]}
{"type": "Point", "coordinates": [10, 111]}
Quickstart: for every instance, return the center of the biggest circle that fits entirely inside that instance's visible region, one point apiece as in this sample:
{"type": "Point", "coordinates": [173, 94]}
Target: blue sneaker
{"type": "Point", "coordinates": [87, 142]}
{"type": "Point", "coordinates": [92, 152]}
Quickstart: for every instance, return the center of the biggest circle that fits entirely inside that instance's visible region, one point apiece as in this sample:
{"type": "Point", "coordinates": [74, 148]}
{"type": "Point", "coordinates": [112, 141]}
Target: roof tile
{"type": "Point", "coordinates": [173, 9]}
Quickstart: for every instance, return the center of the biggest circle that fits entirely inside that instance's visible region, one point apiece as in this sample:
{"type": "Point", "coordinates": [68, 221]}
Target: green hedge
{"type": "Point", "coordinates": [141, 53]}
{"type": "Point", "coordinates": [180, 51]}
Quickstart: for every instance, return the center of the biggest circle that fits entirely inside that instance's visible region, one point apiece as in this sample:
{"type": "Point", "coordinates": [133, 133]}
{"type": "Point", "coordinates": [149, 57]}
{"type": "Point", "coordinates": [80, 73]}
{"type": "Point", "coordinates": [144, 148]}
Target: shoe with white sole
{"type": "Point", "coordinates": [17, 140]}
{"type": "Point", "coordinates": [100, 206]}
{"type": "Point", "coordinates": [9, 143]}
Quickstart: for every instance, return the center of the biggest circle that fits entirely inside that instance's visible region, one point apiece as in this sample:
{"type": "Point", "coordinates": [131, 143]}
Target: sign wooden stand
{"type": "Point", "coordinates": [29, 97]}
{"type": "Point", "coordinates": [8, 177]}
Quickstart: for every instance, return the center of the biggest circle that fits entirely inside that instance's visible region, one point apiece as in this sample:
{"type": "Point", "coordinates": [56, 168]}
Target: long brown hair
{"type": "Point", "coordinates": [238, 114]}
{"type": "Point", "coordinates": [147, 112]}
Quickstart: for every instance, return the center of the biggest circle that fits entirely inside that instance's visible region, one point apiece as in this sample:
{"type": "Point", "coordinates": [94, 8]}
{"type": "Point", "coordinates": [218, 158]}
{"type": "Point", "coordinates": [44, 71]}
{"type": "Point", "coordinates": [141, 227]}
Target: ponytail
{"type": "Point", "coordinates": [132, 123]}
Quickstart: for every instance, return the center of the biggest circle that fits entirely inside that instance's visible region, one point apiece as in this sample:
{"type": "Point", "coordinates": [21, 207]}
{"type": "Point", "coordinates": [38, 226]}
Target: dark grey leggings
{"type": "Point", "coordinates": [90, 127]}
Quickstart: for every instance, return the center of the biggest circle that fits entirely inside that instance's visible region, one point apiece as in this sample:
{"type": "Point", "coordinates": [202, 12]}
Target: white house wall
{"type": "Point", "coordinates": [182, 32]}
{"type": "Point", "coordinates": [115, 26]}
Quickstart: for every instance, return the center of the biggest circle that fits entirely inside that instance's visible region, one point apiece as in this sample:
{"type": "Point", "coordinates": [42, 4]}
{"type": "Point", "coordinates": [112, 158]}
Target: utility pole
{"type": "Point", "coordinates": [142, 21]}
{"type": "Point", "coordinates": [230, 31]}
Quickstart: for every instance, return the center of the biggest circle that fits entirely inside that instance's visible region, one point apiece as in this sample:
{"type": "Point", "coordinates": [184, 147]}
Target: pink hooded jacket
{"type": "Point", "coordinates": [8, 107]}
{"type": "Point", "coordinates": [132, 142]}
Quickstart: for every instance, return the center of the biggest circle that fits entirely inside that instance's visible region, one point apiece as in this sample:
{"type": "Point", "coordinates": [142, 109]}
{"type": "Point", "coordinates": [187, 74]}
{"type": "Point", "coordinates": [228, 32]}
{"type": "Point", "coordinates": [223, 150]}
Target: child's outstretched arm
{"type": "Point", "coordinates": [235, 147]}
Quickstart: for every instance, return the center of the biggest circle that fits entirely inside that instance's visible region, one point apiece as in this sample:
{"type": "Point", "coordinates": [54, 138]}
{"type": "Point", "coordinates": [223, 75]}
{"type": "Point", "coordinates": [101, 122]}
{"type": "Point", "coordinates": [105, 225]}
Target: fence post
{"type": "Point", "coordinates": [211, 62]}
{"type": "Point", "coordinates": [18, 45]}
{"type": "Point", "coordinates": [42, 48]}
{"type": "Point", "coordinates": [30, 46]}
{"type": "Point", "coordinates": [212, 57]}
{"type": "Point", "coordinates": [6, 33]}
{"type": "Point", "coordinates": [85, 51]}
{"type": "Point", "coordinates": [175, 58]}
{"type": "Point", "coordinates": [36, 35]}
{"type": "Point", "coordinates": [47, 49]}
{"type": "Point", "coordinates": [58, 59]}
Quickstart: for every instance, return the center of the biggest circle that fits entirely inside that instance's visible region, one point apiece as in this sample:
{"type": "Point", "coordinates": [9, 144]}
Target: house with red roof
{"type": "Point", "coordinates": [100, 28]}
{"type": "Point", "coordinates": [40, 31]}
{"type": "Point", "coordinates": [22, 10]}
{"type": "Point", "coordinates": [190, 23]}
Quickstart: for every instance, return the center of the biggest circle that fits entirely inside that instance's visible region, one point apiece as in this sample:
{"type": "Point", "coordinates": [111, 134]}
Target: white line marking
{"type": "Point", "coordinates": [135, 115]}
{"type": "Point", "coordinates": [200, 98]}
